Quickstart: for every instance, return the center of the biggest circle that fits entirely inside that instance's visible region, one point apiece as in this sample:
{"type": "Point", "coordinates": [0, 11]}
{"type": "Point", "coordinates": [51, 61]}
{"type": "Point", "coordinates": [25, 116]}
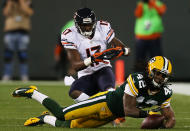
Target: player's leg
{"type": "Point", "coordinates": [89, 122]}
{"type": "Point", "coordinates": [23, 41]}
{"type": "Point", "coordinates": [105, 79]}
{"type": "Point", "coordinates": [75, 111]}
{"type": "Point", "coordinates": [86, 122]}
{"type": "Point", "coordinates": [31, 92]}
{"type": "Point", "coordinates": [82, 88]}
{"type": "Point", "coordinates": [102, 116]}
{"type": "Point", "coordinates": [46, 118]}
{"type": "Point", "coordinates": [9, 41]}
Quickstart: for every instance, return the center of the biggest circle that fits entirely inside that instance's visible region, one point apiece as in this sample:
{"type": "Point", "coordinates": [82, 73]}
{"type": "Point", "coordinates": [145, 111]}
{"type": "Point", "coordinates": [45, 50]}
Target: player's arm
{"type": "Point", "coordinates": [115, 42]}
{"type": "Point", "coordinates": [111, 39]}
{"type": "Point", "coordinates": [169, 117]}
{"type": "Point", "coordinates": [75, 60]}
{"type": "Point", "coordinates": [129, 104]}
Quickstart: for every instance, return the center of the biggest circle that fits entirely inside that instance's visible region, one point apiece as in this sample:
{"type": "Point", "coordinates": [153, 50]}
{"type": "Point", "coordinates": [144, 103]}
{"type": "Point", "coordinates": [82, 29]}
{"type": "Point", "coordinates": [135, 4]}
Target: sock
{"type": "Point", "coordinates": [50, 120]}
{"type": "Point", "coordinates": [38, 96]}
{"type": "Point", "coordinates": [82, 97]}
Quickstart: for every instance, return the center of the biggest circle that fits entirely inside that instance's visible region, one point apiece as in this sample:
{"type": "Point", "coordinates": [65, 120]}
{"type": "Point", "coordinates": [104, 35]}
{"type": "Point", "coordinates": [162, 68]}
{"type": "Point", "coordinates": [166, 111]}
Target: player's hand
{"type": "Point", "coordinates": [109, 54]}
{"type": "Point", "coordinates": [98, 57]}
{"type": "Point", "coordinates": [114, 53]}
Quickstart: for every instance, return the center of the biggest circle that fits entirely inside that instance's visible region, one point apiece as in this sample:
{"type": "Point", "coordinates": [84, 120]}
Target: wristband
{"type": "Point", "coordinates": [87, 61]}
{"type": "Point", "coordinates": [143, 114]}
{"type": "Point", "coordinates": [126, 51]}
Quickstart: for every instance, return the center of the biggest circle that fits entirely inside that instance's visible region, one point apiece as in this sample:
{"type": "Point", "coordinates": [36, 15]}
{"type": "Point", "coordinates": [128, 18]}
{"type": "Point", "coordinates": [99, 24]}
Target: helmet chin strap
{"type": "Point", "coordinates": [158, 85]}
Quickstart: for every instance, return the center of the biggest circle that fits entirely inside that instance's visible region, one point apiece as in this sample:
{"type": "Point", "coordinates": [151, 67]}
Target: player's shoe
{"type": "Point", "coordinates": [118, 121]}
{"type": "Point", "coordinates": [34, 121]}
{"type": "Point", "coordinates": [24, 91]}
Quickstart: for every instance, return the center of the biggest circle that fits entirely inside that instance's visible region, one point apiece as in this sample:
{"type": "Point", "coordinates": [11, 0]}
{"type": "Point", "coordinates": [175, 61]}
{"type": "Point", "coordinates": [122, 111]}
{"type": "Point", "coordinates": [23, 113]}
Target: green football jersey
{"type": "Point", "coordinates": [139, 89]}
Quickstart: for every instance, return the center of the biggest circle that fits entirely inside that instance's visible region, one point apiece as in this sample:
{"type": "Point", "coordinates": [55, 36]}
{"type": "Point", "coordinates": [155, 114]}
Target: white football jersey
{"type": "Point", "coordinates": [72, 39]}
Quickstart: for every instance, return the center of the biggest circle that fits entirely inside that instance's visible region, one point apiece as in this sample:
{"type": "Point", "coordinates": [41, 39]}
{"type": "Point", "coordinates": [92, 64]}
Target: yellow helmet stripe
{"type": "Point", "coordinates": [132, 86]}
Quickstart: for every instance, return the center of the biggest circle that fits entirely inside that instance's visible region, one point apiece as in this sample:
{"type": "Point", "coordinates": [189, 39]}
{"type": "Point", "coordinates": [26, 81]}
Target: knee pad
{"type": "Point", "coordinates": [23, 56]}
{"type": "Point", "coordinates": [8, 55]}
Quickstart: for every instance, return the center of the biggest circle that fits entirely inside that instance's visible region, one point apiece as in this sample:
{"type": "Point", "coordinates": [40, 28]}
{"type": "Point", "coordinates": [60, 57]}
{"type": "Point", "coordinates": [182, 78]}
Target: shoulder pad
{"type": "Point", "coordinates": [133, 84]}
{"type": "Point", "coordinates": [68, 38]}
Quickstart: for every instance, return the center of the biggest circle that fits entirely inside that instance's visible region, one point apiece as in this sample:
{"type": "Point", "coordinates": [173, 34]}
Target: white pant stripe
{"type": "Point", "coordinates": [84, 102]}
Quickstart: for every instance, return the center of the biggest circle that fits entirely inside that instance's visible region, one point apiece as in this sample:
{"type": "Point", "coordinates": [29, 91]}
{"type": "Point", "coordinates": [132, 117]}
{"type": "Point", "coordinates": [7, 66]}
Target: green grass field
{"type": "Point", "coordinates": [14, 111]}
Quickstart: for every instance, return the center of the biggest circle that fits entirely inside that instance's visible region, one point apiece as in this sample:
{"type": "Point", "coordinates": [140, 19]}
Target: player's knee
{"type": "Point", "coordinates": [8, 56]}
{"type": "Point", "coordinates": [23, 56]}
{"type": "Point", "coordinates": [74, 94]}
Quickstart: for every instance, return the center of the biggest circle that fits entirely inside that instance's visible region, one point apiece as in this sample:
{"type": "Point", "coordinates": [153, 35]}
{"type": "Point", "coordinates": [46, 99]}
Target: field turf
{"type": "Point", "coordinates": [14, 111]}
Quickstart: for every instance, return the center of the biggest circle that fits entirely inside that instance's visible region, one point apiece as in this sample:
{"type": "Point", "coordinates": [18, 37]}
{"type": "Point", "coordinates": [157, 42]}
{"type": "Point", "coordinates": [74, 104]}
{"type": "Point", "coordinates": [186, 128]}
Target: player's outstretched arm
{"type": "Point", "coordinates": [169, 117]}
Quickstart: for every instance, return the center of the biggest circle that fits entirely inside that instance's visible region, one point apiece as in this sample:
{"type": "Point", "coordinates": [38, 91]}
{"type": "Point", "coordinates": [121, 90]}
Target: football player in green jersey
{"type": "Point", "coordinates": [139, 91]}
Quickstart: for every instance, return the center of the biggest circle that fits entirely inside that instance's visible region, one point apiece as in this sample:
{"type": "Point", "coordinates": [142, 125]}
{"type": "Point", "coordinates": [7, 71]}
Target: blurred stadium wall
{"type": "Point", "coordinates": [51, 15]}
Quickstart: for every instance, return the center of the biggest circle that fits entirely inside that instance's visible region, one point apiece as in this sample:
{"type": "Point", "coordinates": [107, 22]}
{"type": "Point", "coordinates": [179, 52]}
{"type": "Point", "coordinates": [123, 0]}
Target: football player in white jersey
{"type": "Point", "coordinates": [81, 41]}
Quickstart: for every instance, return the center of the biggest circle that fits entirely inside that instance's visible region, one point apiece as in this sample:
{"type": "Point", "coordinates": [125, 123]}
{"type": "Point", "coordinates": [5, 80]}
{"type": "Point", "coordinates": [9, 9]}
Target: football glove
{"type": "Point", "coordinates": [99, 57]}
{"type": "Point", "coordinates": [109, 54]}
{"type": "Point", "coordinates": [114, 53]}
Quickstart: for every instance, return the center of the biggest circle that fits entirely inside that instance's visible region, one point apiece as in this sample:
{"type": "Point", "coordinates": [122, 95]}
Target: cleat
{"type": "Point", "coordinates": [24, 91]}
{"type": "Point", "coordinates": [34, 121]}
{"type": "Point", "coordinates": [118, 121]}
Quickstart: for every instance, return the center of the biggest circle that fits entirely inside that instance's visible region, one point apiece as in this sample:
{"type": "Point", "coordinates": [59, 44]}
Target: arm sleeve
{"type": "Point", "coordinates": [107, 30]}
{"type": "Point", "coordinates": [132, 86]}
{"type": "Point", "coordinates": [68, 39]}
{"type": "Point", "coordinates": [128, 91]}
{"type": "Point", "coordinates": [166, 103]}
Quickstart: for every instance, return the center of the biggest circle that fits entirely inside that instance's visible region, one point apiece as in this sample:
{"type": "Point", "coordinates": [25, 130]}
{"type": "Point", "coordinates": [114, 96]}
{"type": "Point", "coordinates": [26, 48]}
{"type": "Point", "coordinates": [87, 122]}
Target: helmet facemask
{"type": "Point", "coordinates": [86, 33]}
{"type": "Point", "coordinates": [159, 82]}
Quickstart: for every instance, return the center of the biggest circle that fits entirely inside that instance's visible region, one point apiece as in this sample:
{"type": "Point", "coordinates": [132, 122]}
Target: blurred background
{"type": "Point", "coordinates": [50, 15]}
